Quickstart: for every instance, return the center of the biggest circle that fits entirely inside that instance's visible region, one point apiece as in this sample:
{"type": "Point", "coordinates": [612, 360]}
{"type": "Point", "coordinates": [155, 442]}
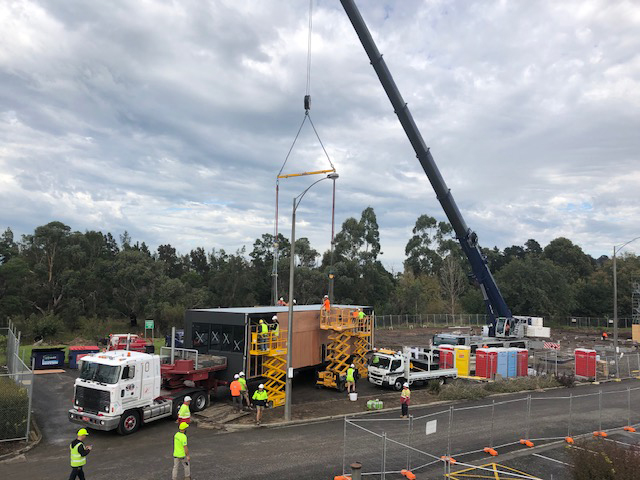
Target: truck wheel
{"type": "Point", "coordinates": [199, 402]}
{"type": "Point", "coordinates": [175, 407]}
{"type": "Point", "coordinates": [341, 384]}
{"type": "Point", "coordinates": [398, 385]}
{"type": "Point", "coordinates": [129, 422]}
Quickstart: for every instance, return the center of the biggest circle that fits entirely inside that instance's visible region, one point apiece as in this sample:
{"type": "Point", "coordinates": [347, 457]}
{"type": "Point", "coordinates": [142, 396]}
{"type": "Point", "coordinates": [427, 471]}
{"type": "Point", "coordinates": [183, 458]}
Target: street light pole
{"type": "Point", "coordinates": [292, 264]}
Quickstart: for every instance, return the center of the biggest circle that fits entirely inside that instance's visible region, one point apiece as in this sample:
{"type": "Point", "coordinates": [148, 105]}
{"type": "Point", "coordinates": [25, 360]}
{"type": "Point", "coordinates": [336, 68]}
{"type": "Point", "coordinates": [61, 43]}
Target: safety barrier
{"type": "Point", "coordinates": [423, 443]}
{"type": "Point", "coordinates": [16, 391]}
{"type": "Point", "coordinates": [179, 354]}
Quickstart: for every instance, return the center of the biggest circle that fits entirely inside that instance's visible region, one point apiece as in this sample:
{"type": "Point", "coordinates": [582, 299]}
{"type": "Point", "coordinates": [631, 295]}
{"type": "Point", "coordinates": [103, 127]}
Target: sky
{"type": "Point", "coordinates": [171, 119]}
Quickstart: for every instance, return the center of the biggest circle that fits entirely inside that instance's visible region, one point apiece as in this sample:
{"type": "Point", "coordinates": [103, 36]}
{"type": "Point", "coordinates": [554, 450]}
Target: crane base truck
{"type": "Point", "coordinates": [120, 389]}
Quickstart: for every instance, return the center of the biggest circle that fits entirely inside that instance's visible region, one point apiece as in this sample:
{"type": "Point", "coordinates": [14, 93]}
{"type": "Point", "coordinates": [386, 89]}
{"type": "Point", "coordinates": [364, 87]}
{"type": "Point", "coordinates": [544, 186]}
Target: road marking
{"type": "Point", "coordinates": [552, 459]}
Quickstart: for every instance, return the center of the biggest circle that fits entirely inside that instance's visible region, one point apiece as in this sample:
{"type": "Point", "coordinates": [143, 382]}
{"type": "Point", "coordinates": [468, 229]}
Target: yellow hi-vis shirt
{"type": "Point", "coordinates": [179, 442]}
{"type": "Point", "coordinates": [243, 383]}
{"type": "Point", "coordinates": [184, 411]}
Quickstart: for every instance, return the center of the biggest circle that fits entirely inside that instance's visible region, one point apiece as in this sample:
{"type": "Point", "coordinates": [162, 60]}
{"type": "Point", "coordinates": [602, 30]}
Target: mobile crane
{"type": "Point", "coordinates": [481, 275]}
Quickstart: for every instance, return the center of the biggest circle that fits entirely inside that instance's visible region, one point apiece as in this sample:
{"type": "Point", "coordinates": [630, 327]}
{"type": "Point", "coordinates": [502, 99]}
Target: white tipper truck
{"type": "Point", "coordinates": [389, 368]}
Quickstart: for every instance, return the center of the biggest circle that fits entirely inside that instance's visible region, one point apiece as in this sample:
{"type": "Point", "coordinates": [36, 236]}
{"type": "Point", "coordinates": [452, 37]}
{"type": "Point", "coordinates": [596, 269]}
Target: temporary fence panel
{"type": "Point", "coordinates": [364, 446]}
{"type": "Point", "coordinates": [430, 433]}
{"type": "Point", "coordinates": [548, 417]}
{"type": "Point", "coordinates": [471, 429]}
{"type": "Point", "coordinates": [614, 411]}
{"type": "Point", "coordinates": [509, 422]}
{"type": "Point", "coordinates": [633, 399]}
{"type": "Point", "coordinates": [584, 413]}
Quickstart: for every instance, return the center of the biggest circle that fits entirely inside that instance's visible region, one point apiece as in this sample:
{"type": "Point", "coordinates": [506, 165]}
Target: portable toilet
{"type": "Point", "coordinates": [446, 356]}
{"type": "Point", "coordinates": [463, 356]}
{"type": "Point", "coordinates": [482, 363]}
{"type": "Point", "coordinates": [502, 367]}
{"type": "Point", "coordinates": [523, 362]}
{"type": "Point", "coordinates": [585, 362]}
{"type": "Point", "coordinates": [512, 362]}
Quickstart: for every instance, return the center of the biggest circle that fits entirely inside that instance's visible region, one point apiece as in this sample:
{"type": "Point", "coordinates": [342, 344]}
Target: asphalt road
{"type": "Point", "coordinates": [312, 451]}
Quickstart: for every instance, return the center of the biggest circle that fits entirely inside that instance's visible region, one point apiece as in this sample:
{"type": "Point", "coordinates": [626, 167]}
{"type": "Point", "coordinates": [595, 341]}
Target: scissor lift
{"type": "Point", "coordinates": [273, 350]}
{"type": "Point", "coordinates": [350, 339]}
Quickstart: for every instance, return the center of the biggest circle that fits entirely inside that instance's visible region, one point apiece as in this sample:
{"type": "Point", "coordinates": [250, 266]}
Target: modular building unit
{"type": "Point", "coordinates": [227, 332]}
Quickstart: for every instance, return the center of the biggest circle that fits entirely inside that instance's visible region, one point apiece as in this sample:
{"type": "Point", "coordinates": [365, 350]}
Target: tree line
{"type": "Point", "coordinates": [55, 278]}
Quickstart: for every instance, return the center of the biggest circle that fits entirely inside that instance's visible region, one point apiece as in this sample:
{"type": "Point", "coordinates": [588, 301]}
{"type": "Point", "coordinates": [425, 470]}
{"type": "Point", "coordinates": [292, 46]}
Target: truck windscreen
{"type": "Point", "coordinates": [383, 362]}
{"type": "Point", "coordinates": [438, 340]}
{"type": "Point", "coordinates": [100, 373]}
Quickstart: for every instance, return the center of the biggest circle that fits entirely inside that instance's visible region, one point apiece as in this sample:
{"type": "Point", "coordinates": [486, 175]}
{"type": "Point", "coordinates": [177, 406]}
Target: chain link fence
{"type": "Point", "coordinates": [16, 390]}
{"type": "Point", "coordinates": [386, 446]}
{"type": "Point", "coordinates": [478, 320]}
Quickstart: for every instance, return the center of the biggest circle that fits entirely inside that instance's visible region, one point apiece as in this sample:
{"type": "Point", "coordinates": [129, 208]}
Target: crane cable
{"type": "Point", "coordinates": [307, 115]}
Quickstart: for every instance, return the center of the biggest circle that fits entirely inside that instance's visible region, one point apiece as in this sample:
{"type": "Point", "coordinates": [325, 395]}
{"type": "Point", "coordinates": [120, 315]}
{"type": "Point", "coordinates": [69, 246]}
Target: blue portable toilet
{"type": "Point", "coordinates": [512, 362]}
{"type": "Point", "coordinates": [503, 362]}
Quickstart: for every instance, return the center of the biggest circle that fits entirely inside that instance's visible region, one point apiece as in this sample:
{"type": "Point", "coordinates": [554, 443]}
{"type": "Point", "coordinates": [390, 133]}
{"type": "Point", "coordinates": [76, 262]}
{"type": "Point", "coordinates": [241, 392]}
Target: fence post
{"type": "Point", "coordinates": [570, 414]}
{"type": "Point", "coordinates": [409, 442]}
{"type": "Point", "coordinates": [528, 416]}
{"type": "Point", "coordinates": [384, 455]}
{"type": "Point", "coordinates": [493, 411]}
{"type": "Point", "coordinates": [556, 362]}
{"type": "Point", "coordinates": [33, 360]}
{"type": "Point", "coordinates": [344, 449]}
{"type": "Point", "coordinates": [449, 433]}
{"type": "Point", "coordinates": [600, 409]}
{"type": "Point", "coordinates": [628, 406]}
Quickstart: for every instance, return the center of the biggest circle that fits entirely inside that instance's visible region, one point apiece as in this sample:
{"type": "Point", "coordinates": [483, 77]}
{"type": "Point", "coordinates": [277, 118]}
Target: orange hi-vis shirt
{"type": "Point", "coordinates": [235, 387]}
{"type": "Point", "coordinates": [327, 305]}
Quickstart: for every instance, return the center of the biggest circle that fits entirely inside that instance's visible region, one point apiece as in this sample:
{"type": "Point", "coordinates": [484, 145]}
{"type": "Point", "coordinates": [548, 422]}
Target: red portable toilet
{"type": "Point", "coordinates": [585, 362]}
{"type": "Point", "coordinates": [446, 356]}
{"type": "Point", "coordinates": [523, 362]}
{"type": "Point", "coordinates": [482, 356]}
{"type": "Point", "coordinates": [492, 362]}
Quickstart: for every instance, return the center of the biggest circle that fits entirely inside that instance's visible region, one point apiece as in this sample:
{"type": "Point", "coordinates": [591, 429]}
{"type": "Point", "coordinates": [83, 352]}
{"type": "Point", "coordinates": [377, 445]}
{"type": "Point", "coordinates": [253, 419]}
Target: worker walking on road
{"type": "Point", "coordinates": [405, 398]}
{"type": "Point", "coordinates": [181, 453]}
{"type": "Point", "coordinates": [351, 379]}
{"type": "Point", "coordinates": [79, 454]}
{"type": "Point", "coordinates": [244, 392]}
{"type": "Point", "coordinates": [260, 399]}
{"type": "Point", "coordinates": [236, 395]}
{"type": "Point", "coordinates": [184, 413]}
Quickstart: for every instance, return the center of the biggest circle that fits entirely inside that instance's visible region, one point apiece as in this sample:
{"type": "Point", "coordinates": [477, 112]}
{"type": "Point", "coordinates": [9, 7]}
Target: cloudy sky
{"type": "Point", "coordinates": [172, 119]}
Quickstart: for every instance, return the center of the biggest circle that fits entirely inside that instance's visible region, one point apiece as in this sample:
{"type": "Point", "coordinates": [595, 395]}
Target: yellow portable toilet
{"type": "Point", "coordinates": [463, 354]}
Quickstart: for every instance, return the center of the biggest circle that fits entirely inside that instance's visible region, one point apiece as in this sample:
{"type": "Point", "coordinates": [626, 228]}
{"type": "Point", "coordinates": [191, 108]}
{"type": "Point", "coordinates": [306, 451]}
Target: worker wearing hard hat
{"type": "Point", "coordinates": [351, 379]}
{"type": "Point", "coordinates": [275, 325]}
{"type": "Point", "coordinates": [244, 391]}
{"type": "Point", "coordinates": [79, 454]}
{"type": "Point", "coordinates": [281, 302]}
{"type": "Point", "coordinates": [181, 453]}
{"type": "Point", "coordinates": [184, 413]}
{"type": "Point", "coordinates": [405, 398]}
{"type": "Point", "coordinates": [326, 304]}
{"type": "Point", "coordinates": [236, 388]}
{"type": "Point", "coordinates": [263, 335]}
{"type": "Point", "coordinates": [260, 399]}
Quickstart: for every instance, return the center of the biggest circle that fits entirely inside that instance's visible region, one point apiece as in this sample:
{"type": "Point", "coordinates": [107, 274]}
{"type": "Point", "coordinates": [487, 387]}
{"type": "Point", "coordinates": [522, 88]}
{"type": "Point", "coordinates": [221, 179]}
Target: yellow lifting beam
{"type": "Point", "coordinates": [302, 174]}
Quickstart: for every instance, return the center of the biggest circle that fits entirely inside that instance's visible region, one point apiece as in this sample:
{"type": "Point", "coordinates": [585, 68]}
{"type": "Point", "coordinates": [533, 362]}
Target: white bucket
{"type": "Point", "coordinates": [353, 396]}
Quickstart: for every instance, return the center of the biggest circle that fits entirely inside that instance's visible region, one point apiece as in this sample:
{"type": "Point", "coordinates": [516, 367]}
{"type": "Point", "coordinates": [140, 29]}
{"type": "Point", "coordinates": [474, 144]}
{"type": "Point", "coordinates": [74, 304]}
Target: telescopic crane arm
{"type": "Point", "coordinates": [496, 306]}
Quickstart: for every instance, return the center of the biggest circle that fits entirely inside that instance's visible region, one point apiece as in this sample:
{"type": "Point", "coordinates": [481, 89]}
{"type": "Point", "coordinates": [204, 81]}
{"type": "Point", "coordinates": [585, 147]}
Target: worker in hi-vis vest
{"type": "Point", "coordinates": [405, 399]}
{"type": "Point", "coordinates": [181, 453]}
{"type": "Point", "coordinates": [263, 335]}
{"type": "Point", "coordinates": [260, 399]}
{"type": "Point", "coordinates": [184, 414]}
{"type": "Point", "coordinates": [79, 454]}
{"type": "Point", "coordinates": [351, 379]}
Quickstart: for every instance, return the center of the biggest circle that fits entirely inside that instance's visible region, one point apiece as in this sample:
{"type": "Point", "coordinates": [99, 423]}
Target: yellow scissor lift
{"type": "Point", "coordinates": [272, 348]}
{"type": "Point", "coordinates": [350, 338]}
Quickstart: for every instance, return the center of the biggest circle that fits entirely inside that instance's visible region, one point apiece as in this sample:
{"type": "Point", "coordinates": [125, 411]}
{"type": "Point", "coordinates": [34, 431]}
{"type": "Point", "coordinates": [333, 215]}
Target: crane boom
{"type": "Point", "coordinates": [496, 306]}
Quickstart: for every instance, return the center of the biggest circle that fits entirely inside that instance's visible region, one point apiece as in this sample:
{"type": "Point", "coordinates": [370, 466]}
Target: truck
{"type": "Point", "coordinates": [123, 389]}
{"type": "Point", "coordinates": [411, 365]}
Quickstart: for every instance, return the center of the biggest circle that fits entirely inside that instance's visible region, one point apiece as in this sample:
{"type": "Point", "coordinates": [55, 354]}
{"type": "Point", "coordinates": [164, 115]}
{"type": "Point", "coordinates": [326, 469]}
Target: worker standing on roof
{"type": "Point", "coordinates": [281, 302]}
{"type": "Point", "coordinates": [244, 391]}
{"type": "Point", "coordinates": [236, 389]}
{"type": "Point", "coordinates": [79, 454]}
{"type": "Point", "coordinates": [326, 305]}
{"type": "Point", "coordinates": [181, 453]}
{"type": "Point", "coordinates": [260, 399]}
{"type": "Point", "coordinates": [263, 335]}
{"type": "Point", "coordinates": [351, 378]}
{"type": "Point", "coordinates": [184, 414]}
{"type": "Point", "coordinates": [405, 398]}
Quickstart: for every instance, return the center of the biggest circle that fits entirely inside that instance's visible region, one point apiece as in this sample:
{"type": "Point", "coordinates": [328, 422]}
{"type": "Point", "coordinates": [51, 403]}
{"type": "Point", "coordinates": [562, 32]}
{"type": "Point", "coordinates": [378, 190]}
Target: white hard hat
{"type": "Point", "coordinates": [282, 298]}
{"type": "Point", "coordinates": [187, 398]}
{"type": "Point", "coordinates": [236, 376]}
{"type": "Point", "coordinates": [275, 317]}
{"type": "Point", "coordinates": [241, 374]}
{"type": "Point", "coordinates": [261, 385]}
{"type": "Point", "coordinates": [326, 296]}
{"type": "Point", "coordinates": [353, 366]}
{"type": "Point", "coordinates": [405, 385]}
{"type": "Point", "coordinates": [375, 349]}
